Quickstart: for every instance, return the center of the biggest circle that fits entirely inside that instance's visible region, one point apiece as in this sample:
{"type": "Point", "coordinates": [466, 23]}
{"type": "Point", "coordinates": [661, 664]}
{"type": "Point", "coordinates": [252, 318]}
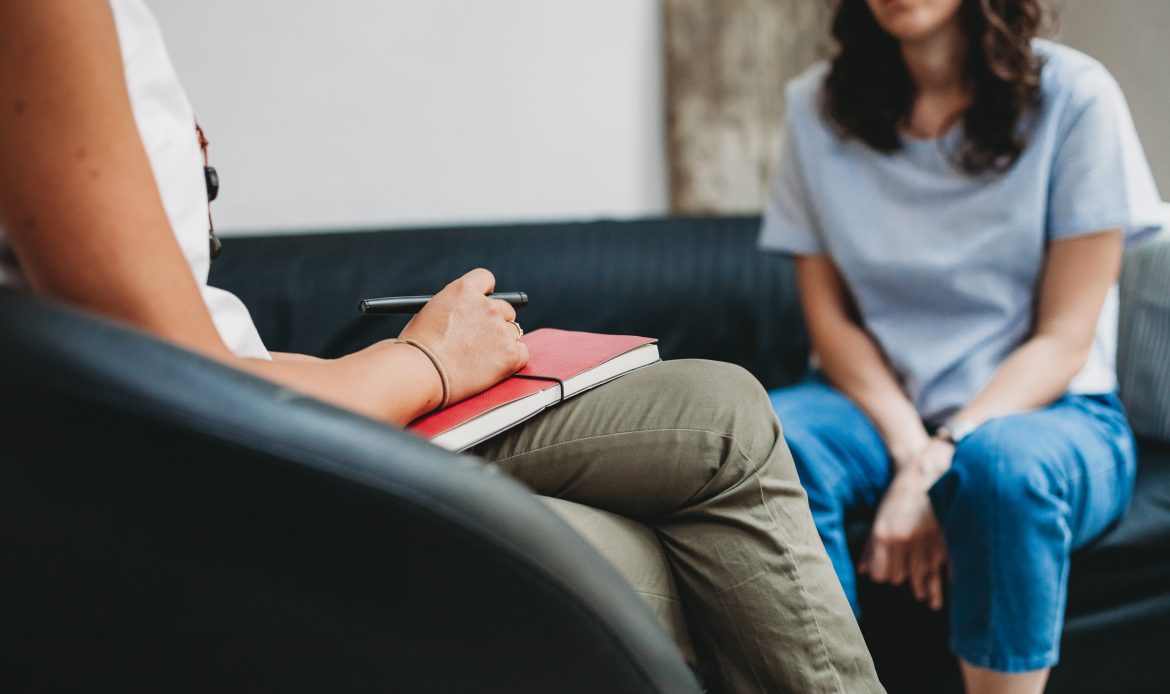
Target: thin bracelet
{"type": "Point", "coordinates": [438, 367]}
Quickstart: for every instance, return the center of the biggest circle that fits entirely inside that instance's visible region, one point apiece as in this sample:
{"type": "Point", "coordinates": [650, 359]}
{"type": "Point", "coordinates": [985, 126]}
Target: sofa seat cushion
{"type": "Point", "coordinates": [1119, 602]}
{"type": "Point", "coordinates": [1131, 562]}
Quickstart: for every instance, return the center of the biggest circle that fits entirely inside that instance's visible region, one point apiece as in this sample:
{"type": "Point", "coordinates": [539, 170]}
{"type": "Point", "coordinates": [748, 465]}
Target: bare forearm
{"type": "Point", "coordinates": [854, 365]}
{"type": "Point", "coordinates": [395, 383]}
{"type": "Point", "coordinates": [293, 357]}
{"type": "Point", "coordinates": [1036, 374]}
{"type": "Point", "coordinates": [852, 361]}
{"type": "Point", "coordinates": [1077, 277]}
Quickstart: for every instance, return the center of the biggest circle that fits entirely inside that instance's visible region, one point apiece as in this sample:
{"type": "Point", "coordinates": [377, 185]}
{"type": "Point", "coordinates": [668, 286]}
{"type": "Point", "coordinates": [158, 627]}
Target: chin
{"type": "Point", "coordinates": [910, 20]}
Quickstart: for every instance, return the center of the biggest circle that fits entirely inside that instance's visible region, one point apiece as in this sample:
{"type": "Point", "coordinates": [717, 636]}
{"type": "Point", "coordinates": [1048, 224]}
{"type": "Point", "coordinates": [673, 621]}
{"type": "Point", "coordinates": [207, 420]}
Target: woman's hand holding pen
{"type": "Point", "coordinates": [472, 336]}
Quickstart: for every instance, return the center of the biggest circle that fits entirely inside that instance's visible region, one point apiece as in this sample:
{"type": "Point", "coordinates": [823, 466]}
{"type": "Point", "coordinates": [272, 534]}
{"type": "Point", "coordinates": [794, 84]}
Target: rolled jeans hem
{"type": "Point", "coordinates": [1007, 664]}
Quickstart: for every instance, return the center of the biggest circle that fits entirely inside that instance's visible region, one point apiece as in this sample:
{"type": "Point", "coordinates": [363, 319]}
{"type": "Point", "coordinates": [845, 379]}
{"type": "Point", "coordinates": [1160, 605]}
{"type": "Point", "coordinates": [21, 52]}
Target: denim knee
{"type": "Point", "coordinates": [1005, 469]}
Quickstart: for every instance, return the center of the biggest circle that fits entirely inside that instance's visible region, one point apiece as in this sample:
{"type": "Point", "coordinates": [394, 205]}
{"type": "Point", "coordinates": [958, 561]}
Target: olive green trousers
{"type": "Point", "coordinates": [693, 451]}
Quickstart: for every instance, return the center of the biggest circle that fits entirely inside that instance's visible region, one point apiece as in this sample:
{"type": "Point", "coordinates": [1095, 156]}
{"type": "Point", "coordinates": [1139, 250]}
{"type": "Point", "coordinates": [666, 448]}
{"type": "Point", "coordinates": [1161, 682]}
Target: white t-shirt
{"type": "Point", "coordinates": [166, 125]}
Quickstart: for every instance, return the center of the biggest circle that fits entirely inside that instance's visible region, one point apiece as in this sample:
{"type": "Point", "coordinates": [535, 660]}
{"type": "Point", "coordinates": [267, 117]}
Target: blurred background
{"type": "Point", "coordinates": [351, 114]}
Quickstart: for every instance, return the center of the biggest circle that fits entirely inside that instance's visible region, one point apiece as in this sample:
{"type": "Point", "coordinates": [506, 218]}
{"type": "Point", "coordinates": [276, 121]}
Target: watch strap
{"type": "Point", "coordinates": [953, 431]}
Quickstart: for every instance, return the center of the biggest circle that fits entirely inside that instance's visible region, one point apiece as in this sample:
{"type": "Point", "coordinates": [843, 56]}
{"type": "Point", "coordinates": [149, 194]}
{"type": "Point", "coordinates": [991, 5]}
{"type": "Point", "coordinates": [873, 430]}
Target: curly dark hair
{"type": "Point", "coordinates": [869, 93]}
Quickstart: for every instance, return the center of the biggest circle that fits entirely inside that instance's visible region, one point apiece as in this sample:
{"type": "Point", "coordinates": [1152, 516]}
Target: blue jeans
{"type": "Point", "coordinates": [1022, 493]}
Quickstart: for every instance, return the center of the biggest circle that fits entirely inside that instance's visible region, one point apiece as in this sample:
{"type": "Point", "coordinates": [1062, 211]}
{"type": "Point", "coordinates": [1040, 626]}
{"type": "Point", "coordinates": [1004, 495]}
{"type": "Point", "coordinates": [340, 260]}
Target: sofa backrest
{"type": "Point", "coordinates": [699, 284]}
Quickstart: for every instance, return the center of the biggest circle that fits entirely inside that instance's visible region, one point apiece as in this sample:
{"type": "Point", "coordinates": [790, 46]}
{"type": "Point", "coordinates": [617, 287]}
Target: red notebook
{"type": "Point", "coordinates": [561, 364]}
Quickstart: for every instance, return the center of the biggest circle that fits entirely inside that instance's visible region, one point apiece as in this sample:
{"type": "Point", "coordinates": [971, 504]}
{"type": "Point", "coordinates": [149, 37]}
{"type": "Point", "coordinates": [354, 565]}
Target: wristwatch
{"type": "Point", "coordinates": [955, 430]}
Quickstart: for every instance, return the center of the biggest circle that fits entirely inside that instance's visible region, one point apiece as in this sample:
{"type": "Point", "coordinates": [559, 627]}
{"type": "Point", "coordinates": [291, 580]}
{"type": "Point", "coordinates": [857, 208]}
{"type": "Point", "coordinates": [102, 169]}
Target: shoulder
{"type": "Point", "coordinates": [1072, 81]}
{"type": "Point", "coordinates": [803, 95]}
{"type": "Point", "coordinates": [806, 87]}
{"type": "Point", "coordinates": [803, 92]}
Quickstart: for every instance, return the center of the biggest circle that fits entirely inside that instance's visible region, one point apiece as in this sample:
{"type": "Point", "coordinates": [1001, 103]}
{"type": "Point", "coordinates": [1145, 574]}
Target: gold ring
{"type": "Point", "coordinates": [518, 329]}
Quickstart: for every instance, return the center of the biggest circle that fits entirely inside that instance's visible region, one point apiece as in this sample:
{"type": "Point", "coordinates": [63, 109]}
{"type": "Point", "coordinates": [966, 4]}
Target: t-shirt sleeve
{"type": "Point", "coordinates": [789, 223]}
{"type": "Point", "coordinates": [1100, 176]}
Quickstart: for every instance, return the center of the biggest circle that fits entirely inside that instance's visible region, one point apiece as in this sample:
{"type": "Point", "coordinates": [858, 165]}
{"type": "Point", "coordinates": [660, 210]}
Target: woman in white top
{"type": "Point", "coordinates": [103, 207]}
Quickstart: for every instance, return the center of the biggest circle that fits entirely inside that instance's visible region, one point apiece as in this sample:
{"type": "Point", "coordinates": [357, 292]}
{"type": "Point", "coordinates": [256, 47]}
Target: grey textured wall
{"type": "Point", "coordinates": [726, 65]}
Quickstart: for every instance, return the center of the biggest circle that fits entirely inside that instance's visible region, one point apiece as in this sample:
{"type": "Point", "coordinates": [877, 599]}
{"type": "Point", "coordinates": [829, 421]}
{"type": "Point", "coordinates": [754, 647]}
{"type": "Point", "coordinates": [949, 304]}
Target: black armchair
{"type": "Point", "coordinates": [170, 524]}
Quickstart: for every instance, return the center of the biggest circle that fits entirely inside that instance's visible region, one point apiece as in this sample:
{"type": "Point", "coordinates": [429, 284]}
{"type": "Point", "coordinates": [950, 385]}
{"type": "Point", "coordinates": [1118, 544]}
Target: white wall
{"type": "Point", "coordinates": [361, 113]}
{"type": "Point", "coordinates": [355, 113]}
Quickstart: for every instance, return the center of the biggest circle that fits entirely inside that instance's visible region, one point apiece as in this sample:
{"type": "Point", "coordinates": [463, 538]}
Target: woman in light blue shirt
{"type": "Point", "coordinates": [957, 194]}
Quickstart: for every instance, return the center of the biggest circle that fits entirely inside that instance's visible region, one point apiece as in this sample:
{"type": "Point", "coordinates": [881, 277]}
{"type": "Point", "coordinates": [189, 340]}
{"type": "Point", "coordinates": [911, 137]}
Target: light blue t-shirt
{"type": "Point", "coordinates": [944, 266]}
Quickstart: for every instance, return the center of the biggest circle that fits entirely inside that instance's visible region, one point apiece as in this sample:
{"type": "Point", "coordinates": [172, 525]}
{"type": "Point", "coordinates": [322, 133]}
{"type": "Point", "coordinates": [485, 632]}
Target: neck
{"type": "Point", "coordinates": [936, 61]}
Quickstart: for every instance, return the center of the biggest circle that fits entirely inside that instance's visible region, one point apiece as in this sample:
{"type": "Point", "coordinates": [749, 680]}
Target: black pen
{"type": "Point", "coordinates": [397, 305]}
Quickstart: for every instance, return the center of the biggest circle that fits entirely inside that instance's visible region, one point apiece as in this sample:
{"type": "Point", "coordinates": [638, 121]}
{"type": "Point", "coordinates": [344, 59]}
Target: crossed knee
{"type": "Point", "coordinates": [724, 400]}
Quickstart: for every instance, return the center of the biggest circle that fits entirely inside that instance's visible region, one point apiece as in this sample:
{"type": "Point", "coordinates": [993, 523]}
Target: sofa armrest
{"type": "Point", "coordinates": [1143, 358]}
